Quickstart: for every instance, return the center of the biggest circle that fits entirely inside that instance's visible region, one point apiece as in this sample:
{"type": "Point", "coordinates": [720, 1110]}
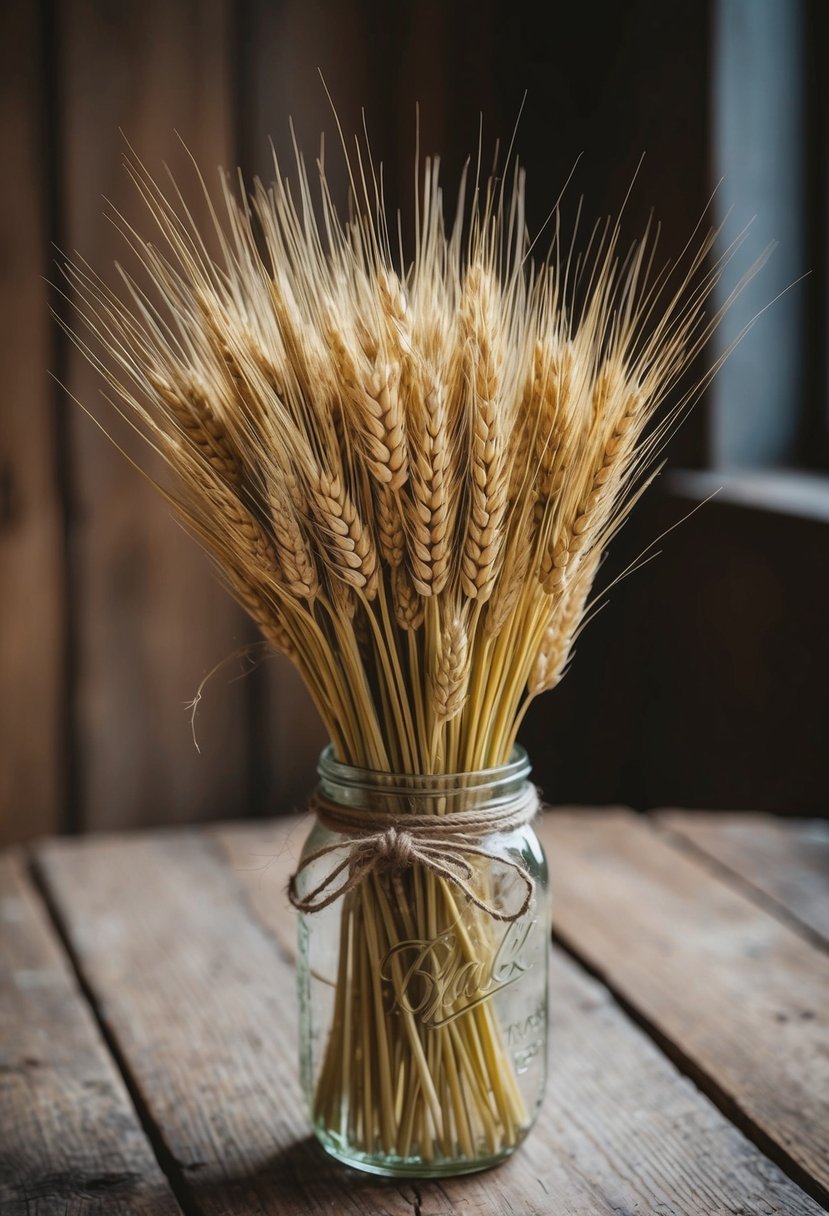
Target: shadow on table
{"type": "Point", "coordinates": [302, 1178]}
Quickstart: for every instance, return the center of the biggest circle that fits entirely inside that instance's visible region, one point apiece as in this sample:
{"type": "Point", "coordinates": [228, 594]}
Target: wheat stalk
{"type": "Point", "coordinates": [407, 477]}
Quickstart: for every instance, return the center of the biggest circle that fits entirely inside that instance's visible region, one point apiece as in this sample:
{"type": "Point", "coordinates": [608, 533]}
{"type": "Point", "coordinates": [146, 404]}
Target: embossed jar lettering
{"type": "Point", "coordinates": [436, 982]}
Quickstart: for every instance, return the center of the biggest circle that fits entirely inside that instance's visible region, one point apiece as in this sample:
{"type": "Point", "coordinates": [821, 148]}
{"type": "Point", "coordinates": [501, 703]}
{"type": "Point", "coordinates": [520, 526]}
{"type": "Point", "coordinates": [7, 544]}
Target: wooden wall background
{"type": "Point", "coordinates": [109, 615]}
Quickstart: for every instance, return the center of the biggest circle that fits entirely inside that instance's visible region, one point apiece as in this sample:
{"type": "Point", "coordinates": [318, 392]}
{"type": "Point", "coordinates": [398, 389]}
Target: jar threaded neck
{"type": "Point", "coordinates": [422, 793]}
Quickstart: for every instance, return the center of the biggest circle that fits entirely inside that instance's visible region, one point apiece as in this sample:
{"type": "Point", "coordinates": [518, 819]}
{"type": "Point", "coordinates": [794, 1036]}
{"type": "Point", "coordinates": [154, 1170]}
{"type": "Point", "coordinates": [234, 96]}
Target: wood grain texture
{"type": "Point", "coordinates": [70, 1140]}
{"type": "Point", "coordinates": [786, 860]}
{"type": "Point", "coordinates": [621, 1131]}
{"type": "Point", "coordinates": [31, 613]}
{"type": "Point", "coordinates": [203, 1007]}
{"type": "Point", "coordinates": [152, 619]}
{"type": "Point", "coordinates": [740, 997]}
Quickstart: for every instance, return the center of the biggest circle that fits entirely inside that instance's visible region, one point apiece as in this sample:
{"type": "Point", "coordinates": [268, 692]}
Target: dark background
{"type": "Point", "coordinates": [704, 682]}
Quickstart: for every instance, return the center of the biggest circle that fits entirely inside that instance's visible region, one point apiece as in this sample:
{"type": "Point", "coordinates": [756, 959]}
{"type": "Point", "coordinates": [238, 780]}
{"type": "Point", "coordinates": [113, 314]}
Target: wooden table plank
{"type": "Point", "coordinates": [203, 1007]}
{"type": "Point", "coordinates": [739, 996]}
{"type": "Point", "coordinates": [784, 859]}
{"type": "Point", "coordinates": [263, 856]}
{"type": "Point", "coordinates": [201, 1001]}
{"type": "Point", "coordinates": [70, 1140]}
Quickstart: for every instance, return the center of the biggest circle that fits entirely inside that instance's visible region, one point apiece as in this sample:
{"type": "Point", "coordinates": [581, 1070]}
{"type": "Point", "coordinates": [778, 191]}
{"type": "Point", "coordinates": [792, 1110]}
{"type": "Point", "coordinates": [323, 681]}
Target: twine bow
{"type": "Point", "coordinates": [379, 841]}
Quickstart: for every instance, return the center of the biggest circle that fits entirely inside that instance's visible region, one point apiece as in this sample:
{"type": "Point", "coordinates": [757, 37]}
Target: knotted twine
{"type": "Point", "coordinates": [377, 841]}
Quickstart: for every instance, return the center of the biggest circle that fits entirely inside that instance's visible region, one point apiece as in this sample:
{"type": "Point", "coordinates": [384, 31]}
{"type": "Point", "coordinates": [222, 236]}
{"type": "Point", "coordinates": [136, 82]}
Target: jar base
{"type": "Point", "coordinates": [411, 1167]}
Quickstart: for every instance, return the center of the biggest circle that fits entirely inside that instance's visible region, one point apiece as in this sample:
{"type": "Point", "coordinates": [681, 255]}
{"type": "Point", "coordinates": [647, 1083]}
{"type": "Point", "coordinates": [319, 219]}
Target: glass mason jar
{"type": "Point", "coordinates": [423, 1017]}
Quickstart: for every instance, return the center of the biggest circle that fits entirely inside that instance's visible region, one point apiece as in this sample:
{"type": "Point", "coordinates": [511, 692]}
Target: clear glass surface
{"type": "Point", "coordinates": [423, 1019]}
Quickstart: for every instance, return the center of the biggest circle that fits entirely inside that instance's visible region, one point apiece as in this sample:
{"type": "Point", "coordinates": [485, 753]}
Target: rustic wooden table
{"type": "Point", "coordinates": [148, 1032]}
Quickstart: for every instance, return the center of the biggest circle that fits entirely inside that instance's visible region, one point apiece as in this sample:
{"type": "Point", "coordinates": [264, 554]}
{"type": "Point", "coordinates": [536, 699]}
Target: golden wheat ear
{"type": "Point", "coordinates": [407, 472]}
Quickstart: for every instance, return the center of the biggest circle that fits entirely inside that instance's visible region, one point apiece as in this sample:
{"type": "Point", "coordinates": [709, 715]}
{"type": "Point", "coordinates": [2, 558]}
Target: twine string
{"type": "Point", "coordinates": [380, 841]}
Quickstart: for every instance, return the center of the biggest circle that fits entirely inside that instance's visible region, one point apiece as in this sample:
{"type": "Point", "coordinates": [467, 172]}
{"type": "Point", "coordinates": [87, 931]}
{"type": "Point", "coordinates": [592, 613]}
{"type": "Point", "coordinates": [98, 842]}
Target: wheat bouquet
{"type": "Point", "coordinates": [407, 472]}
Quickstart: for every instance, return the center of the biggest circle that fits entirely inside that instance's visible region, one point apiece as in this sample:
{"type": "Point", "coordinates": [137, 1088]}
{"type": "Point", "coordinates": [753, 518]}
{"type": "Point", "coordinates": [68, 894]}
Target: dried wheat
{"type": "Point", "coordinates": [408, 475]}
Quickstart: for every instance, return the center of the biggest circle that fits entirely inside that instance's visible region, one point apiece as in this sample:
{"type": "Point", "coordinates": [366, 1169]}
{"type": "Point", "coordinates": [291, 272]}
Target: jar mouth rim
{"type": "Point", "coordinates": [517, 768]}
